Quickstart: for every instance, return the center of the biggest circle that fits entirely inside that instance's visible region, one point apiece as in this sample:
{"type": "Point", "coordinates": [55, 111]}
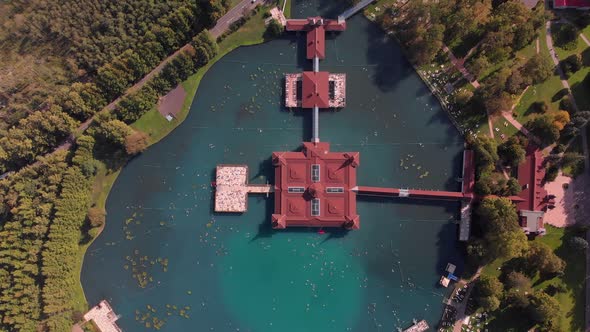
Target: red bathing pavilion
{"type": "Point", "coordinates": [315, 187]}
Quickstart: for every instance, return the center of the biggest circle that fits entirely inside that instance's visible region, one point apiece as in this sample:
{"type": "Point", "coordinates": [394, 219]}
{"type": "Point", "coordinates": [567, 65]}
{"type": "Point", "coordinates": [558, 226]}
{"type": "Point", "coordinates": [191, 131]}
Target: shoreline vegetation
{"type": "Point", "coordinates": [54, 208]}
{"type": "Point", "coordinates": [157, 127]}
{"type": "Point", "coordinates": [53, 204]}
{"type": "Point", "coordinates": [556, 294]}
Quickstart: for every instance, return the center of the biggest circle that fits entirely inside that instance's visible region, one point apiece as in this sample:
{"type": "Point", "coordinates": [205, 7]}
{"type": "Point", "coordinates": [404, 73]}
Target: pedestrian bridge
{"type": "Point", "coordinates": [353, 10]}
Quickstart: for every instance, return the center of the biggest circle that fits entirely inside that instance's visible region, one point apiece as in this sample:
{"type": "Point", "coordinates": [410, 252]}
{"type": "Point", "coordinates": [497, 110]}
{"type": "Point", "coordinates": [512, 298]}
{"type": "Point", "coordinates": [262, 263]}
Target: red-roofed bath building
{"type": "Point", "coordinates": [315, 187]}
{"type": "Point", "coordinates": [534, 200]}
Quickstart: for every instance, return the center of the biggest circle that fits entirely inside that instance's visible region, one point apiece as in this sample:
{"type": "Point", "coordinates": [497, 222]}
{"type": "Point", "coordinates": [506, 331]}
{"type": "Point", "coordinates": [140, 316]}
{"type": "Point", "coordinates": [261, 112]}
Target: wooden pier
{"type": "Point", "coordinates": [339, 81]}
{"type": "Point", "coordinates": [259, 189]}
{"type": "Point", "coordinates": [291, 99]}
{"type": "Point", "coordinates": [232, 188]}
{"type": "Point", "coordinates": [104, 317]}
{"type": "Point", "coordinates": [420, 326]}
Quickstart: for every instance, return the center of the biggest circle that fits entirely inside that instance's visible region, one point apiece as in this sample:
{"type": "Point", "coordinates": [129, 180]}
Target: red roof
{"type": "Point", "coordinates": [332, 188]}
{"type": "Point", "coordinates": [530, 177]}
{"type": "Point", "coordinates": [316, 28]}
{"type": "Point", "coordinates": [315, 89]}
{"type": "Point", "coordinates": [571, 3]}
{"type": "Point", "coordinates": [316, 43]}
{"type": "Point", "coordinates": [310, 23]}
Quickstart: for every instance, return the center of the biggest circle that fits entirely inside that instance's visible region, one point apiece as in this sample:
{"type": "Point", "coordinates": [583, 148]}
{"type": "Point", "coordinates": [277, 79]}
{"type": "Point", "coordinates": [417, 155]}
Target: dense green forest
{"type": "Point", "coordinates": [75, 57]}
{"type": "Point", "coordinates": [89, 53]}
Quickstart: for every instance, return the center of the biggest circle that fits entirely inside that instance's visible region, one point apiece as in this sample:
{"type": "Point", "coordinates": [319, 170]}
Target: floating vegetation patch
{"type": "Point", "coordinates": [408, 163]}
{"type": "Point", "coordinates": [141, 265]}
{"type": "Point", "coordinates": [153, 318]}
{"type": "Point", "coordinates": [129, 223]}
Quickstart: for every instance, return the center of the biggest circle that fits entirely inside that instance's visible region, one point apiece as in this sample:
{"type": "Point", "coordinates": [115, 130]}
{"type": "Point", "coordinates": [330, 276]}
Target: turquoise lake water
{"type": "Point", "coordinates": [163, 247]}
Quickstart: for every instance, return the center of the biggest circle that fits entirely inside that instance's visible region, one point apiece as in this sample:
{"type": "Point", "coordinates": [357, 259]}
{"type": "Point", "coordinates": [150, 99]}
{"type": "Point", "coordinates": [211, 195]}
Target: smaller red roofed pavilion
{"type": "Point", "coordinates": [316, 28]}
{"type": "Point", "coordinates": [315, 89]}
{"type": "Point", "coordinates": [315, 188]}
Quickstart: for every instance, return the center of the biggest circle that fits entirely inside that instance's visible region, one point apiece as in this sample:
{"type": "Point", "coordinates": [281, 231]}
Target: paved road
{"type": "Point", "coordinates": [232, 15]}
{"type": "Point", "coordinates": [222, 25]}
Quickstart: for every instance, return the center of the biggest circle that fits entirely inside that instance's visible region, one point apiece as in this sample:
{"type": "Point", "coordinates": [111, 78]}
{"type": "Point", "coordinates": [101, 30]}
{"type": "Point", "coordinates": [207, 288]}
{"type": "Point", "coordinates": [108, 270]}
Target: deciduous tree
{"type": "Point", "coordinates": [136, 142]}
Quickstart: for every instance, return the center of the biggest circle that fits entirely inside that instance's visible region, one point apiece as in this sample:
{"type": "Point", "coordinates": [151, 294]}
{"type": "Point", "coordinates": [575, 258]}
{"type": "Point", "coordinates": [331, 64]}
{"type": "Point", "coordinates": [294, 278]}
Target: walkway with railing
{"type": "Point", "coordinates": [353, 10]}
{"type": "Point", "coordinates": [413, 193]}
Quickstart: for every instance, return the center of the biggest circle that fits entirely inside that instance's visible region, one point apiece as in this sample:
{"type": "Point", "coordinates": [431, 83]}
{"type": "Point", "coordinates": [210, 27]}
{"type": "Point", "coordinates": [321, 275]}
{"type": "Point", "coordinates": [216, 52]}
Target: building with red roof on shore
{"type": "Point", "coordinates": [575, 4]}
{"type": "Point", "coordinates": [315, 188]}
{"type": "Point", "coordinates": [534, 199]}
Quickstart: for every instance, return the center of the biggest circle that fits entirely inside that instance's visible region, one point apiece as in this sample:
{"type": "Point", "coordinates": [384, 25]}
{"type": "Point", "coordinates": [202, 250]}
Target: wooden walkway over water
{"type": "Point", "coordinates": [412, 193]}
{"type": "Point", "coordinates": [420, 326]}
{"type": "Point", "coordinates": [466, 193]}
{"type": "Point", "coordinates": [260, 189]}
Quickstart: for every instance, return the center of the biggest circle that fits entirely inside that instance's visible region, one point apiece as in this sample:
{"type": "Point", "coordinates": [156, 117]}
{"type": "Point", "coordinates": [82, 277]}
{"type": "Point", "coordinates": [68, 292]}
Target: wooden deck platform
{"type": "Point", "coordinates": [420, 326]}
{"type": "Point", "coordinates": [232, 188]}
{"type": "Point", "coordinates": [291, 90]}
{"type": "Point", "coordinates": [339, 99]}
{"type": "Point", "coordinates": [103, 317]}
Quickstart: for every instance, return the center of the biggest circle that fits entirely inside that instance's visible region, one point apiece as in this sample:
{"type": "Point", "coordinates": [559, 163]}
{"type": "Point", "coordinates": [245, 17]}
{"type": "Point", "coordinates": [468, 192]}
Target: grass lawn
{"type": "Point", "coordinates": [158, 127]}
{"type": "Point", "coordinates": [580, 89]}
{"type": "Point", "coordinates": [508, 130]}
{"type": "Point", "coordinates": [530, 50]}
{"type": "Point", "coordinates": [571, 302]}
{"type": "Point", "coordinates": [287, 11]}
{"type": "Point", "coordinates": [539, 92]}
{"type": "Point", "coordinates": [563, 53]}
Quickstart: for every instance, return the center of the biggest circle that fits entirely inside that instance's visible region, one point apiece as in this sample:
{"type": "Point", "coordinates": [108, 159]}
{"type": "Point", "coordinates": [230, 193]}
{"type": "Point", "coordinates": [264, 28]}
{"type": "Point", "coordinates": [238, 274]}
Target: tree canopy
{"type": "Point", "coordinates": [502, 233]}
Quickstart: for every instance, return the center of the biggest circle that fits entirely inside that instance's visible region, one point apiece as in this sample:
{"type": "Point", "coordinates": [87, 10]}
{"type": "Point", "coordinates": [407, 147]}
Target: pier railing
{"type": "Point", "coordinates": [353, 10]}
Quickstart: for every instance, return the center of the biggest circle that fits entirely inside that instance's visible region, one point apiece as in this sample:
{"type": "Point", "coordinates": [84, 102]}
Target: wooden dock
{"type": "Point", "coordinates": [260, 189]}
{"type": "Point", "coordinates": [339, 81]}
{"type": "Point", "coordinates": [420, 326]}
{"type": "Point", "coordinates": [232, 188]}
{"type": "Point", "coordinates": [104, 317]}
